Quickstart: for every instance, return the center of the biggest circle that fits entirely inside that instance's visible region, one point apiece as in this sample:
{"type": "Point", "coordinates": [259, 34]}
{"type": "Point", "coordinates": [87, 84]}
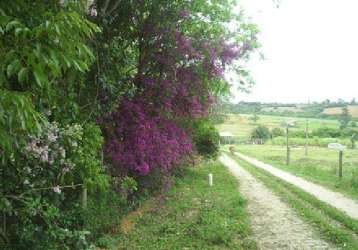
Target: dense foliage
{"type": "Point", "coordinates": [206, 138]}
{"type": "Point", "coordinates": [276, 132]}
{"type": "Point", "coordinates": [95, 96]}
{"type": "Point", "coordinates": [261, 132]}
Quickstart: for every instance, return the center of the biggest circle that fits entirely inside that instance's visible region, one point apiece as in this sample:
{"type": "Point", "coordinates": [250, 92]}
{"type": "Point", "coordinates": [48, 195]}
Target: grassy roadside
{"type": "Point", "coordinates": [319, 166]}
{"type": "Point", "coordinates": [334, 225]}
{"type": "Point", "coordinates": [195, 216]}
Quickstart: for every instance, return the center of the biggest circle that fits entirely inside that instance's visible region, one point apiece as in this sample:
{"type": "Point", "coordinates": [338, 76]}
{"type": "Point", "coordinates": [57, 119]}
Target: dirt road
{"type": "Point", "coordinates": [275, 225]}
{"type": "Point", "coordinates": [337, 200]}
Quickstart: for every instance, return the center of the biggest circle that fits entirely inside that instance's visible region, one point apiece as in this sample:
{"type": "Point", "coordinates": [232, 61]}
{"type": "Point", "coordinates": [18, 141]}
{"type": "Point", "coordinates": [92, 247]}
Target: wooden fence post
{"type": "Point", "coordinates": [340, 170]}
{"type": "Point", "coordinates": [288, 156]}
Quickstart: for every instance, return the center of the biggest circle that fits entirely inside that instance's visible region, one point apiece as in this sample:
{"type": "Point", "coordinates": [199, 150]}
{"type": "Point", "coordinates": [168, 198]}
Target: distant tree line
{"type": "Point", "coordinates": [308, 110]}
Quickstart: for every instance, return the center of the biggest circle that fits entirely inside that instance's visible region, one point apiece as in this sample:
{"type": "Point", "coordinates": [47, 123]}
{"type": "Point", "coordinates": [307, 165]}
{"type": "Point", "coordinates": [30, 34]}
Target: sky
{"type": "Point", "coordinates": [310, 49]}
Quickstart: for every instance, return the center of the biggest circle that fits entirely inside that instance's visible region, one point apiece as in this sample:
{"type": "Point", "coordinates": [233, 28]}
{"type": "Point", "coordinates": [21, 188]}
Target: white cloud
{"type": "Point", "coordinates": [311, 50]}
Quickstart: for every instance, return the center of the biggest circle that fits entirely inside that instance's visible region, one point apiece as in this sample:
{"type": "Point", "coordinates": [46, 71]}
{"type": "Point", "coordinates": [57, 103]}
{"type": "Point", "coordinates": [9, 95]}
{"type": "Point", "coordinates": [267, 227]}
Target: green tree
{"type": "Point", "coordinates": [345, 118]}
{"type": "Point", "coordinates": [261, 132]}
{"type": "Point", "coordinates": [354, 138]}
{"type": "Point", "coordinates": [206, 138]}
{"type": "Point", "coordinates": [254, 118]}
{"type": "Point", "coordinates": [44, 58]}
{"type": "Point", "coordinates": [276, 132]}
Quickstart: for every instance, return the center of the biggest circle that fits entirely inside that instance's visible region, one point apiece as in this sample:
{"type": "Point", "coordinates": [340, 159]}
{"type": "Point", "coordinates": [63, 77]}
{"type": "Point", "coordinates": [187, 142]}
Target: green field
{"type": "Point", "coordinates": [241, 126]}
{"type": "Point", "coordinates": [353, 110]}
{"type": "Point", "coordinates": [319, 166]}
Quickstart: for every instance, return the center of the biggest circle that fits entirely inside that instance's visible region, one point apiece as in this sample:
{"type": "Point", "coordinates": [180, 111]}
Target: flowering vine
{"type": "Point", "coordinates": [175, 83]}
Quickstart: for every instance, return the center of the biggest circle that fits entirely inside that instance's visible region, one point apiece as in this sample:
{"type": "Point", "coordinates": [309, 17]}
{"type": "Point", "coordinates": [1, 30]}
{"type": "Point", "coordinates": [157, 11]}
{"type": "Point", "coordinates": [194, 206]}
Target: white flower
{"type": "Point", "coordinates": [93, 12]}
{"type": "Point", "coordinates": [44, 156]}
{"type": "Point", "coordinates": [26, 182]}
{"type": "Point", "coordinates": [57, 189]}
{"type": "Point", "coordinates": [66, 169]}
{"type": "Point", "coordinates": [62, 152]}
{"type": "Point", "coordinates": [51, 137]}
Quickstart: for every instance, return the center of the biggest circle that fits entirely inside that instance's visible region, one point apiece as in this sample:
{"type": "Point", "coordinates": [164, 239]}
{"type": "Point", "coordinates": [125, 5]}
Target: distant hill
{"type": "Point", "coordinates": [324, 110]}
{"type": "Point", "coordinates": [353, 110]}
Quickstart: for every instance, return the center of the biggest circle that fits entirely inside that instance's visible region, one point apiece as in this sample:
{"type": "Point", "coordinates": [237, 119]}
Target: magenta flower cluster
{"type": "Point", "coordinates": [174, 81]}
{"type": "Point", "coordinates": [140, 141]}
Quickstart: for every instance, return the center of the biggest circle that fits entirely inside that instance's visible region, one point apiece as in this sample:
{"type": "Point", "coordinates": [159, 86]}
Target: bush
{"type": "Point", "coordinates": [349, 132]}
{"type": "Point", "coordinates": [276, 132]}
{"type": "Point", "coordinates": [261, 132]}
{"type": "Point", "coordinates": [354, 180]}
{"type": "Point", "coordinates": [297, 133]}
{"type": "Point", "coordinates": [206, 138]}
{"type": "Point", "coordinates": [41, 190]}
{"type": "Point", "coordinates": [326, 132]}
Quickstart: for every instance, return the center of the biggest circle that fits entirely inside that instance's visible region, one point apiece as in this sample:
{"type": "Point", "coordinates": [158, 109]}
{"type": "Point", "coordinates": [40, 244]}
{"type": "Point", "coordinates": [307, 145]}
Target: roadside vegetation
{"type": "Point", "coordinates": [194, 216]}
{"type": "Point", "coordinates": [332, 224]}
{"type": "Point", "coordinates": [101, 102]}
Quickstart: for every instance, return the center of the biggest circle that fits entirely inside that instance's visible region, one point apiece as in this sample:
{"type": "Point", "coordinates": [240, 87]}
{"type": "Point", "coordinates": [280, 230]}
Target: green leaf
{"type": "Point", "coordinates": [22, 75]}
{"type": "Point", "coordinates": [40, 76]}
{"type": "Point", "coordinates": [57, 29]}
{"type": "Point", "coordinates": [12, 24]}
{"type": "Point", "coordinates": [18, 31]}
{"type": "Point", "coordinates": [13, 67]}
{"type": "Point", "coordinates": [77, 66]}
{"type": "Point", "coordinates": [88, 51]}
{"type": "Point", "coordinates": [9, 70]}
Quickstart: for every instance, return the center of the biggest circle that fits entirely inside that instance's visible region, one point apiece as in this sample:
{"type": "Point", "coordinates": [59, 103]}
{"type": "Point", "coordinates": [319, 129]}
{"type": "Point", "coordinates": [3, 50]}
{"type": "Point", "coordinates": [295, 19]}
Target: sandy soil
{"type": "Point", "coordinates": [337, 200]}
{"type": "Point", "coordinates": [275, 225]}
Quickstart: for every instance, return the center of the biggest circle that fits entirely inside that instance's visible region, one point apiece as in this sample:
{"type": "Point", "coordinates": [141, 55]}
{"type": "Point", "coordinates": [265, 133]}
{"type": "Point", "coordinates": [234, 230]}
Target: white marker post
{"type": "Point", "coordinates": [339, 147]}
{"type": "Point", "coordinates": [210, 179]}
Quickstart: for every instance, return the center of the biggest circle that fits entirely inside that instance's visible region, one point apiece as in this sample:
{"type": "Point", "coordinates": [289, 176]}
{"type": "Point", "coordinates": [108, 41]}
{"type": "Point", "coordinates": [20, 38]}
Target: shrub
{"type": "Point", "coordinates": [206, 138]}
{"type": "Point", "coordinates": [276, 132]}
{"type": "Point", "coordinates": [325, 132]}
{"type": "Point", "coordinates": [354, 180]}
{"type": "Point", "coordinates": [297, 133]}
{"type": "Point", "coordinates": [41, 189]}
{"type": "Point", "coordinates": [261, 132]}
{"type": "Point", "coordinates": [349, 132]}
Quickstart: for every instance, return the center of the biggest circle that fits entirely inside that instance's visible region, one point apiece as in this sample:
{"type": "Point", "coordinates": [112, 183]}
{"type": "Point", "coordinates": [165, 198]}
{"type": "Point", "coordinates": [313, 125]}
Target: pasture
{"type": "Point", "coordinates": [353, 110]}
{"type": "Point", "coordinates": [240, 126]}
{"type": "Point", "coordinates": [320, 165]}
